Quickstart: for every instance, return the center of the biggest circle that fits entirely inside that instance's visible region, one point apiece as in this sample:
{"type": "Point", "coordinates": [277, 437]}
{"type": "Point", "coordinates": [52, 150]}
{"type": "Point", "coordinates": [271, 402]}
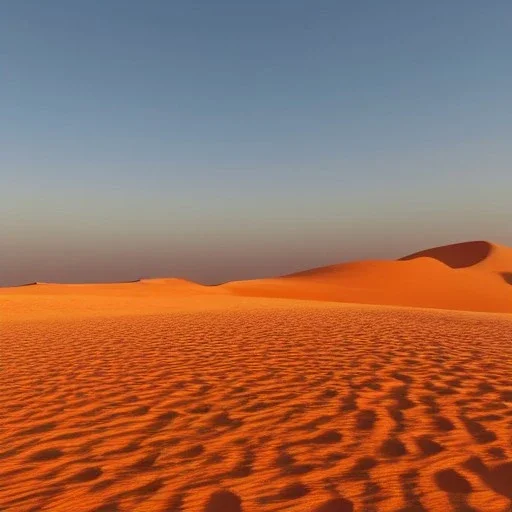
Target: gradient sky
{"type": "Point", "coordinates": [218, 140]}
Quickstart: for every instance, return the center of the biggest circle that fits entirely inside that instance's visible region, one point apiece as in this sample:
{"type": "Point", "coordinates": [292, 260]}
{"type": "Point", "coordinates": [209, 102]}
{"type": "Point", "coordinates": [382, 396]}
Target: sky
{"type": "Point", "coordinates": [234, 139]}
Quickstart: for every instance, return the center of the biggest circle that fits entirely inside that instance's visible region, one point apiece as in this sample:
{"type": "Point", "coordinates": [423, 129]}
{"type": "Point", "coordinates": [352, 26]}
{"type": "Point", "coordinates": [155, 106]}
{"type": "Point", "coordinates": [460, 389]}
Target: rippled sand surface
{"type": "Point", "coordinates": [231, 403]}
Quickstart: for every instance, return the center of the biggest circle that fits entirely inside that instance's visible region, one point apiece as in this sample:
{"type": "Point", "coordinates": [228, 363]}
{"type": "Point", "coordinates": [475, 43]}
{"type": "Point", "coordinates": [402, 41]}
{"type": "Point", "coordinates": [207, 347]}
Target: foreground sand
{"type": "Point", "coordinates": [221, 404]}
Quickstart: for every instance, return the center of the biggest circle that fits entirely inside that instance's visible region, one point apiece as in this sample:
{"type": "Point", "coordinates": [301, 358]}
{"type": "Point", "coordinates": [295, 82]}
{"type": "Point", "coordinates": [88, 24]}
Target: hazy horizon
{"type": "Point", "coordinates": [236, 140]}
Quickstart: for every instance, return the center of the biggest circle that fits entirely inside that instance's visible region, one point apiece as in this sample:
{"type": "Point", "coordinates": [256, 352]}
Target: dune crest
{"type": "Point", "coordinates": [483, 254]}
{"type": "Point", "coordinates": [34, 283]}
{"type": "Point", "coordinates": [176, 281]}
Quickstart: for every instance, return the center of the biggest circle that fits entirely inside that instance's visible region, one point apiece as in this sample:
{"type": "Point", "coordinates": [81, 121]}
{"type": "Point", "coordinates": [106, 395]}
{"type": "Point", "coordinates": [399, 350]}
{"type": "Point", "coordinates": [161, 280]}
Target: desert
{"type": "Point", "coordinates": [365, 386]}
{"type": "Point", "coordinates": [255, 256]}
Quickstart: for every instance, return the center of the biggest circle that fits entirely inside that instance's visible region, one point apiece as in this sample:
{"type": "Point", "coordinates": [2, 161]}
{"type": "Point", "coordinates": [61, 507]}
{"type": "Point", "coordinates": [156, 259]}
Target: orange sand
{"type": "Point", "coordinates": [164, 395]}
{"type": "Point", "coordinates": [474, 276]}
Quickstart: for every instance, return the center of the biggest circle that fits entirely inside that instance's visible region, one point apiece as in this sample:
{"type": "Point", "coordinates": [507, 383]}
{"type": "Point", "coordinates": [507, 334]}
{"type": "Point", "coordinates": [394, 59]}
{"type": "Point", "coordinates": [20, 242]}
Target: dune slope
{"type": "Point", "coordinates": [481, 254]}
{"type": "Point", "coordinates": [474, 276]}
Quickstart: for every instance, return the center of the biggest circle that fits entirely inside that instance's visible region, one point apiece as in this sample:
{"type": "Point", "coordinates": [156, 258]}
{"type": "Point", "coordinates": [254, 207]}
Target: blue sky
{"type": "Point", "coordinates": [230, 139]}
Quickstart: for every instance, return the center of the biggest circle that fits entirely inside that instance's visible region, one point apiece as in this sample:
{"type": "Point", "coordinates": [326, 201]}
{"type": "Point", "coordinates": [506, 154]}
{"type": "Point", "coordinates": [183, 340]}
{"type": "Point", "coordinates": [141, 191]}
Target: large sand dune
{"type": "Point", "coordinates": [168, 396]}
{"type": "Point", "coordinates": [474, 276]}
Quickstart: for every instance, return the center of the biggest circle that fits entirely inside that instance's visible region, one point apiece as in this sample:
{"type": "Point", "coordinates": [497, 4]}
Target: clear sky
{"type": "Point", "coordinates": [218, 140]}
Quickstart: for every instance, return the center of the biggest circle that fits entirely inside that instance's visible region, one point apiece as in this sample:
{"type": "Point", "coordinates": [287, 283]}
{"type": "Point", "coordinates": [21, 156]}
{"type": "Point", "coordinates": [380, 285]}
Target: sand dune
{"type": "Point", "coordinates": [471, 276]}
{"type": "Point", "coordinates": [474, 276]}
{"type": "Point", "coordinates": [138, 287]}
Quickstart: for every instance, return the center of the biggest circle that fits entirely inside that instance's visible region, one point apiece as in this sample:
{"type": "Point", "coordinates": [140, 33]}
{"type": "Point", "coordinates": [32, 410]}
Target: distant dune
{"type": "Point", "coordinates": [470, 276]}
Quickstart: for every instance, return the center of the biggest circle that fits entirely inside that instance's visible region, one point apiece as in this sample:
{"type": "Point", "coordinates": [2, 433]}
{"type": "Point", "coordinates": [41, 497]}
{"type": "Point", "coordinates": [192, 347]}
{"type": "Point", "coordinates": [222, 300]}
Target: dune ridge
{"type": "Point", "coordinates": [481, 254]}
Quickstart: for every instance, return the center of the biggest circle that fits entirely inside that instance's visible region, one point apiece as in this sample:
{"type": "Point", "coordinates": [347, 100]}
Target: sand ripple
{"type": "Point", "coordinates": [270, 406]}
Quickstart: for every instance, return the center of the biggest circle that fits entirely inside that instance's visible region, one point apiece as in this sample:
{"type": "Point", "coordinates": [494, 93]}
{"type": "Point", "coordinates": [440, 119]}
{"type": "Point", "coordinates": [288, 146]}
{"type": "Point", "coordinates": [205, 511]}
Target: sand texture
{"type": "Point", "coordinates": [168, 396]}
